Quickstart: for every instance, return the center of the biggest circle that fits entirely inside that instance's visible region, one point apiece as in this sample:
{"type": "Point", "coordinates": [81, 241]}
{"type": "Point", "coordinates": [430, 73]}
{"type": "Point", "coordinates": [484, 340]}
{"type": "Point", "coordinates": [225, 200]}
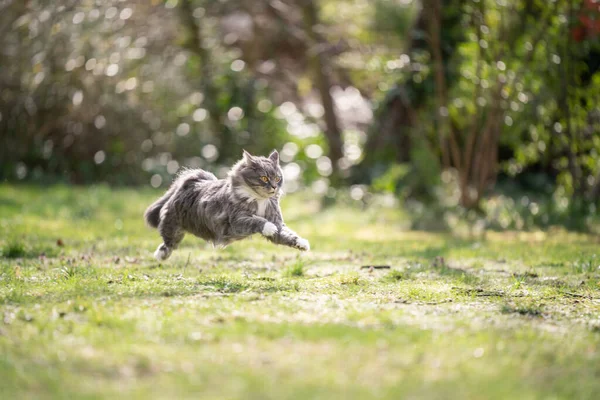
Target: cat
{"type": "Point", "coordinates": [222, 211]}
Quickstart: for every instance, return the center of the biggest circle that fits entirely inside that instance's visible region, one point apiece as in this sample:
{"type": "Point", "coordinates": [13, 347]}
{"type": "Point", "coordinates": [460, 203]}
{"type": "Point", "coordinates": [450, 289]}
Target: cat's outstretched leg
{"type": "Point", "coordinates": [288, 237]}
{"type": "Point", "coordinates": [243, 225]}
{"type": "Point", "coordinates": [255, 224]}
{"type": "Point", "coordinates": [171, 233]}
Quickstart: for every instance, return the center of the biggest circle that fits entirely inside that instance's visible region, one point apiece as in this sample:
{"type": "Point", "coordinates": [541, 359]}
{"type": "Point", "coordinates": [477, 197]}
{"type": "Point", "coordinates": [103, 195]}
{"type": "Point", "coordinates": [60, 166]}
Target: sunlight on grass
{"type": "Point", "coordinates": [295, 269]}
{"type": "Point", "coordinates": [87, 311]}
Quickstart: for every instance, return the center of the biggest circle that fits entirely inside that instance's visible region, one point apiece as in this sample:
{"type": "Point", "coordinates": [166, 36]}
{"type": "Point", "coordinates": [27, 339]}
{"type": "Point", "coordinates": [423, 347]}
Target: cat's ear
{"type": "Point", "coordinates": [248, 157]}
{"type": "Point", "coordinates": [274, 156]}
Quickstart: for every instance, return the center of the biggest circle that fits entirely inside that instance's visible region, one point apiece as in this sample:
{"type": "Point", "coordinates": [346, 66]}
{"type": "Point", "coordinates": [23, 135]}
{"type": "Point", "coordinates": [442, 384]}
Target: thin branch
{"type": "Point", "coordinates": [434, 22]}
{"type": "Point", "coordinates": [574, 168]}
{"type": "Point", "coordinates": [472, 136]}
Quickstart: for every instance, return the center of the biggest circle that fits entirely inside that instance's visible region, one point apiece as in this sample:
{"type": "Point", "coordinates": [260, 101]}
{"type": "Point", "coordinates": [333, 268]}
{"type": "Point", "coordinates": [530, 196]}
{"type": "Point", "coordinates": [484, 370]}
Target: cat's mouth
{"type": "Point", "coordinates": [265, 194]}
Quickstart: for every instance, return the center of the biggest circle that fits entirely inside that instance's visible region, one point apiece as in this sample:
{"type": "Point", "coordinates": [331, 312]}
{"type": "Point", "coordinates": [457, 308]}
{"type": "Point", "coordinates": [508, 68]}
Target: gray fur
{"type": "Point", "coordinates": [222, 211]}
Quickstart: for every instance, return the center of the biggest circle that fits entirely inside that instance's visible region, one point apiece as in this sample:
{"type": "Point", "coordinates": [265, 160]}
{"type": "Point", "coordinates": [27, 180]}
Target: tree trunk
{"type": "Point", "coordinates": [321, 72]}
{"type": "Point", "coordinates": [571, 140]}
{"type": "Point", "coordinates": [196, 45]}
{"type": "Point", "coordinates": [390, 138]}
{"type": "Point", "coordinates": [441, 112]}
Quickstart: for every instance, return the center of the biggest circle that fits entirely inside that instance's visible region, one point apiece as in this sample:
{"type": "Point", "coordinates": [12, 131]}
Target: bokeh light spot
{"type": "Point", "coordinates": [235, 114]}
{"type": "Point", "coordinates": [210, 152]}
{"type": "Point", "coordinates": [313, 151]}
{"type": "Point", "coordinates": [199, 115]}
{"type": "Point", "coordinates": [237, 65]}
{"type": "Point", "coordinates": [183, 129]}
{"type": "Point", "coordinates": [99, 157]}
{"type": "Point", "coordinates": [156, 180]}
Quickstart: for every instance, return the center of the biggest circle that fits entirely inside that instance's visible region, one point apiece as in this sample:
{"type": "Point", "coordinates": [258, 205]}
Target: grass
{"type": "Point", "coordinates": [13, 249]}
{"type": "Point", "coordinates": [295, 269]}
{"type": "Point", "coordinates": [86, 312]}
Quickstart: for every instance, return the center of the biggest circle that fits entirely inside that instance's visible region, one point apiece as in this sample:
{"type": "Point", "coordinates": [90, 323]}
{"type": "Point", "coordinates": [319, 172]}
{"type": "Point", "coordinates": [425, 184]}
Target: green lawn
{"type": "Point", "coordinates": [86, 312]}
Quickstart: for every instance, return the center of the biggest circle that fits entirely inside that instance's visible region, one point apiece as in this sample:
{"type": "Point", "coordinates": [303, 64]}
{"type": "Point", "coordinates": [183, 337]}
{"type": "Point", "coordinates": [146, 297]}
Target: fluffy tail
{"type": "Point", "coordinates": [152, 214]}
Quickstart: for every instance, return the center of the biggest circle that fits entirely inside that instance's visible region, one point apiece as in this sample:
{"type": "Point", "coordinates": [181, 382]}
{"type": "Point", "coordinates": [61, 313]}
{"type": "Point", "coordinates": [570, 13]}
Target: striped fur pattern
{"type": "Point", "coordinates": [222, 211]}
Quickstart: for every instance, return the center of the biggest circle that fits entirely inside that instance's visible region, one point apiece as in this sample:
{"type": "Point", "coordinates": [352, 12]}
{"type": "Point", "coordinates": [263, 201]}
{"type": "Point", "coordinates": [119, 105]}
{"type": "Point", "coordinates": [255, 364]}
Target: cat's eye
{"type": "Point", "coordinates": [278, 179]}
{"type": "Point", "coordinates": [264, 179]}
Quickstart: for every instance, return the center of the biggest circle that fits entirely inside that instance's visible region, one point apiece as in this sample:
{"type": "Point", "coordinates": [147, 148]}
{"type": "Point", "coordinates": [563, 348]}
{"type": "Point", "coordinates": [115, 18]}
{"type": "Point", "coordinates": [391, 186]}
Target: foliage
{"type": "Point", "coordinates": [505, 100]}
{"type": "Point", "coordinates": [101, 92]}
{"type": "Point", "coordinates": [13, 249]}
{"type": "Point", "coordinates": [480, 90]}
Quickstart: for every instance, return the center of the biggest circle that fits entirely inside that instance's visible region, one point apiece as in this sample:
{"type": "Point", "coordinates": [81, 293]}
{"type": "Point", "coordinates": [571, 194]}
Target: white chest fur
{"type": "Point", "coordinates": [249, 196]}
{"type": "Point", "coordinates": [262, 204]}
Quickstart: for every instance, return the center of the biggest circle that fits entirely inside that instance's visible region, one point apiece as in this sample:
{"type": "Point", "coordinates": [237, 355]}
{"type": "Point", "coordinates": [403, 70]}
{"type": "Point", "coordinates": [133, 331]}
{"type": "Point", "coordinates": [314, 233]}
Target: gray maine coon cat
{"type": "Point", "coordinates": [222, 211]}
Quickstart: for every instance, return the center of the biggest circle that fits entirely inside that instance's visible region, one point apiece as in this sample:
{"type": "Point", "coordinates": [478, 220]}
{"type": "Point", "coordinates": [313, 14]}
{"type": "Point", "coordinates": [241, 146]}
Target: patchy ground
{"type": "Point", "coordinates": [87, 313]}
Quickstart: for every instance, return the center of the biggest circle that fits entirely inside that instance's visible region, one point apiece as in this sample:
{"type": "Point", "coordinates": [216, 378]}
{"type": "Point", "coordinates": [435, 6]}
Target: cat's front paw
{"type": "Point", "coordinates": [269, 229]}
{"type": "Point", "coordinates": [162, 252]}
{"type": "Point", "coordinates": [302, 244]}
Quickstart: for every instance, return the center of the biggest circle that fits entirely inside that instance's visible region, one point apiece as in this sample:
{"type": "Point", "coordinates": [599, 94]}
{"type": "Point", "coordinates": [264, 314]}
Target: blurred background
{"type": "Point", "coordinates": [484, 112]}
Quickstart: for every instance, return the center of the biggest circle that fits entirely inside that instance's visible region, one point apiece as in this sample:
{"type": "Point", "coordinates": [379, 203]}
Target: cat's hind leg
{"type": "Point", "coordinates": [172, 235]}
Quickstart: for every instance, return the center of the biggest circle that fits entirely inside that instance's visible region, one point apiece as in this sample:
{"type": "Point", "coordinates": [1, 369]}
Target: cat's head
{"type": "Point", "coordinates": [258, 177]}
